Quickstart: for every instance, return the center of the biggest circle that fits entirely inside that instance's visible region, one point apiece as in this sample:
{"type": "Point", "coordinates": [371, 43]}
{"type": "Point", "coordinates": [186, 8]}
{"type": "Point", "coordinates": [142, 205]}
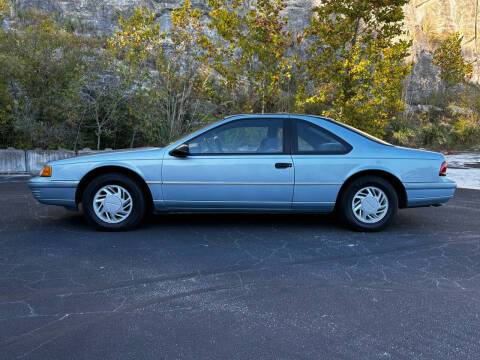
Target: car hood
{"type": "Point", "coordinates": [116, 155]}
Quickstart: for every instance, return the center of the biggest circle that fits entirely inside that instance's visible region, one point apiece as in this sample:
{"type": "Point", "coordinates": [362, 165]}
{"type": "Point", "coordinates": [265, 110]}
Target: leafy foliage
{"type": "Point", "coordinates": [40, 68]}
{"type": "Point", "coordinates": [248, 50]}
{"type": "Point", "coordinates": [4, 8]}
{"type": "Point", "coordinates": [142, 86]}
{"type": "Point", "coordinates": [168, 66]}
{"type": "Point", "coordinates": [448, 57]}
{"type": "Point", "coordinates": [356, 63]}
{"type": "Point", "coordinates": [452, 118]}
{"type": "Point", "coordinates": [137, 38]}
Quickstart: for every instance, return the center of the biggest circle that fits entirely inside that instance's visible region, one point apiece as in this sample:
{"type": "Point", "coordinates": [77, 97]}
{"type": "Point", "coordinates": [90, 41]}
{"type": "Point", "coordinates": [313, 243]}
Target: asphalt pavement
{"type": "Point", "coordinates": [238, 286]}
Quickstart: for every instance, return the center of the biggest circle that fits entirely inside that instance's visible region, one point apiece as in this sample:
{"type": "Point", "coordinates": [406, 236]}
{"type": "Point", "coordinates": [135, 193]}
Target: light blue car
{"type": "Point", "coordinates": [252, 163]}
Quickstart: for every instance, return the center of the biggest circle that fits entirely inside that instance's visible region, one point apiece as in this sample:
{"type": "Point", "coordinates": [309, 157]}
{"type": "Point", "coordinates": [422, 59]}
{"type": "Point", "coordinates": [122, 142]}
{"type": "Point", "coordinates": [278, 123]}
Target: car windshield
{"type": "Point", "coordinates": [367, 135]}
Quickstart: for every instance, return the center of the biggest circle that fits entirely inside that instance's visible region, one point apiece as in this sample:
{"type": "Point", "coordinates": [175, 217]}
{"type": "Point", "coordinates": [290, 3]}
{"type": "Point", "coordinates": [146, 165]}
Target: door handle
{"type": "Point", "coordinates": [283, 165]}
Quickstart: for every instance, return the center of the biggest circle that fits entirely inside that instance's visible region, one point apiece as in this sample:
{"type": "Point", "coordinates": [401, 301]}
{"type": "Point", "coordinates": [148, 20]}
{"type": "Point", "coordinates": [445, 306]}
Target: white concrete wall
{"type": "Point", "coordinates": [31, 161]}
{"type": "Point", "coordinates": [12, 161]}
{"type": "Point", "coordinates": [35, 159]}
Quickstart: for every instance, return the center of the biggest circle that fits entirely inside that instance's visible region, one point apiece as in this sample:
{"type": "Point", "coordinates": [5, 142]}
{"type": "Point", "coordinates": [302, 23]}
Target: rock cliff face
{"type": "Point", "coordinates": [423, 20]}
{"type": "Point", "coordinates": [96, 15]}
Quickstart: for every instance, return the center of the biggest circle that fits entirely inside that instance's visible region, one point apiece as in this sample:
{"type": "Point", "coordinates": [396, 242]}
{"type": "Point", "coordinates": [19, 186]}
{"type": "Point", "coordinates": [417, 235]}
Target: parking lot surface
{"type": "Point", "coordinates": [238, 286]}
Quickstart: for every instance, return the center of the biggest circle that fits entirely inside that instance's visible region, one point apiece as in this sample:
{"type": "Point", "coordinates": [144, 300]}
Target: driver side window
{"type": "Point", "coordinates": [241, 137]}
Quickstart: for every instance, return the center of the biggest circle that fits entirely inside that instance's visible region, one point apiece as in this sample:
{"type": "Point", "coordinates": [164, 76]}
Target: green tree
{"type": "Point", "coordinates": [135, 44]}
{"type": "Point", "coordinates": [183, 82]}
{"type": "Point", "coordinates": [170, 81]}
{"type": "Point", "coordinates": [41, 65]}
{"type": "Point", "coordinates": [137, 38]}
{"type": "Point", "coordinates": [466, 128]}
{"type": "Point", "coordinates": [249, 51]}
{"type": "Point", "coordinates": [104, 96]}
{"type": "Point", "coordinates": [448, 57]}
{"type": "Point", "coordinates": [4, 8]}
{"type": "Point", "coordinates": [355, 62]}
{"type": "Point", "coordinates": [8, 134]}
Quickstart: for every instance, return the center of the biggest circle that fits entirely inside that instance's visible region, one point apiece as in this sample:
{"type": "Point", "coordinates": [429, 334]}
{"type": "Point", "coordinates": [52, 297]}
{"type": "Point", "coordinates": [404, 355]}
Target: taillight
{"type": "Point", "coordinates": [443, 169]}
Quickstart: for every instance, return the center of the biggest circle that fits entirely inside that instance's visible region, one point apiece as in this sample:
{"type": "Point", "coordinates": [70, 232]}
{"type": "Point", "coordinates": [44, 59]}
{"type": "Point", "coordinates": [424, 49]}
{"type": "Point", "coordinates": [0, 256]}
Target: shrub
{"type": "Point", "coordinates": [466, 132]}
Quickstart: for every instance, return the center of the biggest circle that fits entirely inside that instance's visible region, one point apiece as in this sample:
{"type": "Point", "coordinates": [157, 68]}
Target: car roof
{"type": "Point", "coordinates": [273, 115]}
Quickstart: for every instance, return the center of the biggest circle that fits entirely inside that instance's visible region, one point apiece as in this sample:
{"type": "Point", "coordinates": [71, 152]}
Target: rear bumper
{"type": "Point", "coordinates": [54, 192]}
{"type": "Point", "coordinates": [426, 194]}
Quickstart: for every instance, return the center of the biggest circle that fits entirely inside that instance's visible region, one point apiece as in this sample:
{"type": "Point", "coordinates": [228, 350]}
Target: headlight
{"type": "Point", "coordinates": [46, 171]}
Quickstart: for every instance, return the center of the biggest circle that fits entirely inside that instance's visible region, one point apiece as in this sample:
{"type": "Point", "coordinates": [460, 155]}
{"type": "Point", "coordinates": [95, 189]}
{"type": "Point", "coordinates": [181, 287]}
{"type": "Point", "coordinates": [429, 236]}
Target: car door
{"type": "Point", "coordinates": [320, 166]}
{"type": "Point", "coordinates": [241, 164]}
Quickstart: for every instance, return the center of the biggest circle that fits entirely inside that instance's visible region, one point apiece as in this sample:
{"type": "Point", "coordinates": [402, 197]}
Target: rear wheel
{"type": "Point", "coordinates": [114, 202]}
{"type": "Point", "coordinates": [369, 203]}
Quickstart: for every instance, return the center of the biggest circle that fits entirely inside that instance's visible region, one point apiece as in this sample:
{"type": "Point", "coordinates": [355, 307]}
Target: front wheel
{"type": "Point", "coordinates": [369, 204]}
{"type": "Point", "coordinates": [114, 202]}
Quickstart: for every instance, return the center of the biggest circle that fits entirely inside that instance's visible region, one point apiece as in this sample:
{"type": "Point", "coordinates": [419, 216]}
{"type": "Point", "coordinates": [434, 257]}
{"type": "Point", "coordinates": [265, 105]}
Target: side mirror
{"type": "Point", "coordinates": [180, 151]}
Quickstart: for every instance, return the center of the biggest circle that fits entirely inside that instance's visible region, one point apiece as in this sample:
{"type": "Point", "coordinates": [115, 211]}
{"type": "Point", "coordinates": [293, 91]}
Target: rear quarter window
{"type": "Point", "coordinates": [310, 138]}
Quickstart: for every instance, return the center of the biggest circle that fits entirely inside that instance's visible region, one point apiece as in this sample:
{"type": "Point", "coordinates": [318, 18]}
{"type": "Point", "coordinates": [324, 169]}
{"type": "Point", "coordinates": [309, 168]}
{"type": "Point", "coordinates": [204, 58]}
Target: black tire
{"type": "Point", "coordinates": [346, 199]}
{"type": "Point", "coordinates": [138, 209]}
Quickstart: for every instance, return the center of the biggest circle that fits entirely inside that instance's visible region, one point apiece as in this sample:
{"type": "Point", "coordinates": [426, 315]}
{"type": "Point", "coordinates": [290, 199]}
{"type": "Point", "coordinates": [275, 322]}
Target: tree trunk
{"type": "Point", "coordinates": [99, 135]}
{"type": "Point", "coordinates": [133, 139]}
{"type": "Point", "coordinates": [77, 137]}
{"type": "Point", "coordinates": [476, 20]}
{"type": "Point", "coordinates": [347, 81]}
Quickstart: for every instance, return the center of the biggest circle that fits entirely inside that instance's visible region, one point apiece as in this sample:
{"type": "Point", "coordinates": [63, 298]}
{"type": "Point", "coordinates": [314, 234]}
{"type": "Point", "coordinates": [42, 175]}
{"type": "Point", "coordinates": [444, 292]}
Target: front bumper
{"type": "Point", "coordinates": [426, 194]}
{"type": "Point", "coordinates": [54, 192]}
